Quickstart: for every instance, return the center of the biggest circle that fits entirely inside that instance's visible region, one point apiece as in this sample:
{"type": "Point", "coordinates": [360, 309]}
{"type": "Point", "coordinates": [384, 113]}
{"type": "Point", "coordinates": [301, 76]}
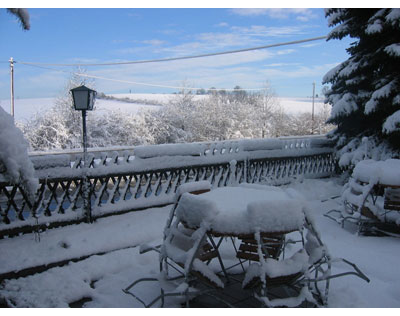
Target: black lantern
{"type": "Point", "coordinates": [83, 98]}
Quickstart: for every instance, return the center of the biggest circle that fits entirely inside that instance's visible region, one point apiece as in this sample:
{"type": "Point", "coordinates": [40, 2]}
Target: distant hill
{"type": "Point", "coordinates": [25, 109]}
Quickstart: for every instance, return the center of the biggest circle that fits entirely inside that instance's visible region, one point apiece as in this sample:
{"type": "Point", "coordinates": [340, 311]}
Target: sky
{"type": "Point", "coordinates": [107, 35]}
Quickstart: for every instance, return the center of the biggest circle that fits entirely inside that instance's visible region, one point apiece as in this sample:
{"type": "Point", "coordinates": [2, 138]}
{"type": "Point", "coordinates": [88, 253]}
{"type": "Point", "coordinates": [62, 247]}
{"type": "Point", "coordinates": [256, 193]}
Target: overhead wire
{"type": "Point", "coordinates": [45, 65]}
{"type": "Point", "coordinates": [141, 83]}
{"type": "Point", "coordinates": [178, 58]}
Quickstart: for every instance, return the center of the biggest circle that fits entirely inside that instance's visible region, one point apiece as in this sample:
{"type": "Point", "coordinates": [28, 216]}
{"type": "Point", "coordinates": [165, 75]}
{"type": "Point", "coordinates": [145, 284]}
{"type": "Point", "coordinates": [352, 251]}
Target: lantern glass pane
{"type": "Point", "coordinates": [81, 100]}
{"type": "Point", "coordinates": [91, 100]}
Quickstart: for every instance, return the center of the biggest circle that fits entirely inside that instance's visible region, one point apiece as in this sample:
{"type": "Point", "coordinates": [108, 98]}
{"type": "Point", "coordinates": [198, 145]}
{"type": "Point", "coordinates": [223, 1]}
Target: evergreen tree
{"type": "Point", "coordinates": [365, 89]}
{"type": "Point", "coordinates": [23, 17]}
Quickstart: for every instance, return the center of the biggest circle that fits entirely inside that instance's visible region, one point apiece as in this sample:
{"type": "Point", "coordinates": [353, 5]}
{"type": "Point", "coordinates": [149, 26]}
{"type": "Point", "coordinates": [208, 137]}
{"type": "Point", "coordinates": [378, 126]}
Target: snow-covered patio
{"type": "Point", "coordinates": [112, 260]}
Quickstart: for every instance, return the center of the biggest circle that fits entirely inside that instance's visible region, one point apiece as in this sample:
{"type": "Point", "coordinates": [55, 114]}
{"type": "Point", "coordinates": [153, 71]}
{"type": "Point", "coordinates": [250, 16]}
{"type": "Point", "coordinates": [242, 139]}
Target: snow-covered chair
{"type": "Point", "coordinates": [184, 255]}
{"type": "Point", "coordinates": [371, 198]}
{"type": "Point", "coordinates": [297, 276]}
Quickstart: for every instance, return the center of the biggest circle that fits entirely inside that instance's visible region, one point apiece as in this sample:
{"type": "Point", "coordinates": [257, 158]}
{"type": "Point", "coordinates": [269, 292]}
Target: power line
{"type": "Point", "coordinates": [43, 65]}
{"type": "Point", "coordinates": [183, 57]}
{"type": "Point", "coordinates": [138, 83]}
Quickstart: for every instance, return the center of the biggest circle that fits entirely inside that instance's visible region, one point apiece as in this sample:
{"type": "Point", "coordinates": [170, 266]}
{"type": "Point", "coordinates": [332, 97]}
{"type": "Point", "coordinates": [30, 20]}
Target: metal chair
{"type": "Point", "coordinates": [299, 280]}
{"type": "Point", "coordinates": [184, 257]}
{"type": "Point", "coordinates": [369, 206]}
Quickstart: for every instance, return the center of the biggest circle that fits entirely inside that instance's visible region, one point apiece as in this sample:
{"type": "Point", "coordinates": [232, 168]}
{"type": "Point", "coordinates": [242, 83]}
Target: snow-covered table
{"type": "Point", "coordinates": [258, 217]}
{"type": "Point", "coordinates": [243, 210]}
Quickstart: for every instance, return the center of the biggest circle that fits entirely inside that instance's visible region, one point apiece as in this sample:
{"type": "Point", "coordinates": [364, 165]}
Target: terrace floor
{"type": "Point", "coordinates": [92, 263]}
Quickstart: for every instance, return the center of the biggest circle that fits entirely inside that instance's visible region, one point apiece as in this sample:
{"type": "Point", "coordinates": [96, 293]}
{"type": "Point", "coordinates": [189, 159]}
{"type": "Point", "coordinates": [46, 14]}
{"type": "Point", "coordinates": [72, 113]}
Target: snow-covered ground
{"type": "Point", "coordinates": [25, 109]}
{"type": "Point", "coordinates": [101, 277]}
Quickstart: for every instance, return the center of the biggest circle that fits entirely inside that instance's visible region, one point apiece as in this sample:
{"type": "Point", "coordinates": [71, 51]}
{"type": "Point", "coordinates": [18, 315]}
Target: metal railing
{"type": "Point", "coordinates": [131, 179]}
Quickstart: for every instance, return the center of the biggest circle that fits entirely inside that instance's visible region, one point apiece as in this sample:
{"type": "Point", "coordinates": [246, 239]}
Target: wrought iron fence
{"type": "Point", "coordinates": [149, 176]}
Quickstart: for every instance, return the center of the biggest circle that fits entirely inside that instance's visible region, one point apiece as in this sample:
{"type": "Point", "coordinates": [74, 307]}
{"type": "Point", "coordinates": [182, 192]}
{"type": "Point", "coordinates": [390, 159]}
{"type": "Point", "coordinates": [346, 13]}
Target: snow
{"type": "Point", "coordinates": [25, 109]}
{"type": "Point", "coordinates": [276, 215]}
{"type": "Point", "coordinates": [242, 210]}
{"type": "Point", "coordinates": [367, 148]}
{"type": "Point", "coordinates": [380, 93]}
{"type": "Point", "coordinates": [14, 160]}
{"type": "Point", "coordinates": [344, 104]}
{"type": "Point", "coordinates": [392, 123]}
{"type": "Point", "coordinates": [373, 172]}
{"type": "Point", "coordinates": [300, 105]}
{"type": "Point", "coordinates": [101, 277]}
{"type": "Point", "coordinates": [393, 16]}
{"type": "Point", "coordinates": [275, 268]}
{"type": "Point", "coordinates": [192, 186]}
{"type": "Point", "coordinates": [393, 50]}
{"type": "Point", "coordinates": [375, 27]}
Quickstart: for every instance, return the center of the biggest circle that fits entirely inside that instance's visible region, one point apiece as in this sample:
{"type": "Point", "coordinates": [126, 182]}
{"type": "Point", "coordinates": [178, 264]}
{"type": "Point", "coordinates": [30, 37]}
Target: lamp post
{"type": "Point", "coordinates": [83, 99]}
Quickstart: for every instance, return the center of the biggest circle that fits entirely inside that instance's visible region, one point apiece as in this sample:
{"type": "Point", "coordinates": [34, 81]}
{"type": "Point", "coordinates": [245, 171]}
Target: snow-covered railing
{"type": "Point", "coordinates": [125, 180]}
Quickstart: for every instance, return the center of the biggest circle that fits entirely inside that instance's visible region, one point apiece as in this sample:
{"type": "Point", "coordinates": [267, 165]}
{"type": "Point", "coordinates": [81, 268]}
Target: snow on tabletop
{"type": "Point", "coordinates": [276, 215]}
{"type": "Point", "coordinates": [384, 172]}
{"type": "Point", "coordinates": [227, 210]}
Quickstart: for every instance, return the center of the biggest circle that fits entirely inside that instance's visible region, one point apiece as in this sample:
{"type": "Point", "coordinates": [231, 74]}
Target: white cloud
{"type": "Point", "coordinates": [264, 31]}
{"type": "Point", "coordinates": [298, 72]}
{"type": "Point", "coordinates": [281, 64]}
{"type": "Point", "coordinates": [302, 14]}
{"type": "Point", "coordinates": [249, 12]}
{"type": "Point", "coordinates": [154, 42]}
{"type": "Point", "coordinates": [222, 24]}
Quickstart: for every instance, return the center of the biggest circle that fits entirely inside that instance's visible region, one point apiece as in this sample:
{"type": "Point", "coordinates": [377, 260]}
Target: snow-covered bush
{"type": "Point", "coordinates": [15, 164]}
{"type": "Point", "coordinates": [221, 116]}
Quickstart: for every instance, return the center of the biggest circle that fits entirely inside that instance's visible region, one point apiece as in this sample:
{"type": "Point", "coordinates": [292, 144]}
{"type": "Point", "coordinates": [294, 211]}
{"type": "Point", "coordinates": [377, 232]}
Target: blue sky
{"type": "Point", "coordinates": [113, 35]}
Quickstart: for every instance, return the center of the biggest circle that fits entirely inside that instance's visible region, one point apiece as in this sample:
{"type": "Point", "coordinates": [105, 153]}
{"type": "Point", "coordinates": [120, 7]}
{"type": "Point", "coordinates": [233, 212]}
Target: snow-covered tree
{"type": "Point", "coordinates": [365, 89]}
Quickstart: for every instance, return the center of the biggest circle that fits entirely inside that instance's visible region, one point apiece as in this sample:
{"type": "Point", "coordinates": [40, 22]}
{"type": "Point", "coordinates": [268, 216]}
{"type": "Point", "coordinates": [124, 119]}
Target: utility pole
{"type": "Point", "coordinates": [312, 113]}
{"type": "Point", "coordinates": [12, 85]}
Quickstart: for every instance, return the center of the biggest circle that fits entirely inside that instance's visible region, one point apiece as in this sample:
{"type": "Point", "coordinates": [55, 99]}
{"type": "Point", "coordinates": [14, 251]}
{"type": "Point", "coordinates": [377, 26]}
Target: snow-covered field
{"type": "Point", "coordinates": [25, 109]}
{"type": "Point", "coordinates": [101, 277]}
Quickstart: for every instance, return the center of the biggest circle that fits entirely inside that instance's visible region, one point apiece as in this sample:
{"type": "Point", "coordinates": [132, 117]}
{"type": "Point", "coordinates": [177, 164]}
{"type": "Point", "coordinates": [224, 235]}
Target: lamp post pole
{"type": "Point", "coordinates": [84, 138]}
{"type": "Point", "coordinates": [86, 195]}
